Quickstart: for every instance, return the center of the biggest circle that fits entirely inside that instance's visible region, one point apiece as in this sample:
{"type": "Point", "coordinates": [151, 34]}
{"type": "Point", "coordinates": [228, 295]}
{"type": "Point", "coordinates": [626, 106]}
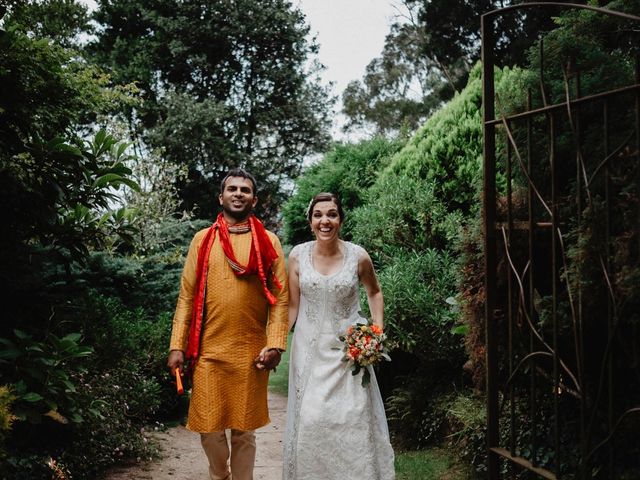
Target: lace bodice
{"type": "Point", "coordinates": [335, 297]}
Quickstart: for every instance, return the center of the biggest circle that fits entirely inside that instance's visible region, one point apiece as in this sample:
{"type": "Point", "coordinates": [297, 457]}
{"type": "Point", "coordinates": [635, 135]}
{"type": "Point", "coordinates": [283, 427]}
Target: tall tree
{"type": "Point", "coordinates": [427, 58]}
{"type": "Point", "coordinates": [50, 188]}
{"type": "Point", "coordinates": [225, 83]}
{"type": "Point", "coordinates": [401, 87]}
{"type": "Point", "coordinates": [59, 20]}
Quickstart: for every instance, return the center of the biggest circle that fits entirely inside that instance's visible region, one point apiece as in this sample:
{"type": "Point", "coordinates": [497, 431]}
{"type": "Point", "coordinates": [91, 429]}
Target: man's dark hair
{"type": "Point", "coordinates": [239, 172]}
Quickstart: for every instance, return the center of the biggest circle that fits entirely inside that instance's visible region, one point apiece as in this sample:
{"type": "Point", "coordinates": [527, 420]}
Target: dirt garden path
{"type": "Point", "coordinates": [183, 458]}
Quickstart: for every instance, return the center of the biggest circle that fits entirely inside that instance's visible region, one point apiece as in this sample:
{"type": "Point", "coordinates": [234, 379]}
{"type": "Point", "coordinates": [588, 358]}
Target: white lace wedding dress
{"type": "Point", "coordinates": [336, 429]}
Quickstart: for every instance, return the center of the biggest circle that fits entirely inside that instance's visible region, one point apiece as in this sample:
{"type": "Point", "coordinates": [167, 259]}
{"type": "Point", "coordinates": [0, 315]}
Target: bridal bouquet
{"type": "Point", "coordinates": [364, 346]}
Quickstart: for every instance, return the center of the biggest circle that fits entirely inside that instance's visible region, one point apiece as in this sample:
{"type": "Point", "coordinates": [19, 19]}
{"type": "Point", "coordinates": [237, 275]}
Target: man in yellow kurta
{"type": "Point", "coordinates": [242, 329]}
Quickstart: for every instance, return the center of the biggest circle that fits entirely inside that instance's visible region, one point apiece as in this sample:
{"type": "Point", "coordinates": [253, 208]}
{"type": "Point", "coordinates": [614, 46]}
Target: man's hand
{"type": "Point", "coordinates": [175, 360]}
{"type": "Point", "coordinates": [268, 359]}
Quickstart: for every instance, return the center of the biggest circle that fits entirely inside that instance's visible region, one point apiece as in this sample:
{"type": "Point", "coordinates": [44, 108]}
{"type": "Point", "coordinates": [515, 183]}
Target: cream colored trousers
{"type": "Point", "coordinates": [240, 457]}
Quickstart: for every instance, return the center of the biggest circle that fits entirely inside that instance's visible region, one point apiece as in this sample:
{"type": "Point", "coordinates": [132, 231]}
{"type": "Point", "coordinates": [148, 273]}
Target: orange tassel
{"type": "Point", "coordinates": [179, 382]}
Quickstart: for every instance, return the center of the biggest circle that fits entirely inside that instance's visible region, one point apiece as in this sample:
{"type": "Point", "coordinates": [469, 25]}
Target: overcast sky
{"type": "Point", "coordinates": [350, 33]}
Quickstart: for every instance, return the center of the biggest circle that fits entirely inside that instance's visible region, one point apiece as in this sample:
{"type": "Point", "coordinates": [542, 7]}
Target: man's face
{"type": "Point", "coordinates": [238, 198]}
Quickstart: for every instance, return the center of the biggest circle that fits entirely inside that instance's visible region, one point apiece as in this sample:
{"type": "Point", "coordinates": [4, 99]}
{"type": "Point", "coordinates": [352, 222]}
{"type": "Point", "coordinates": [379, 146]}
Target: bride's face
{"type": "Point", "coordinates": [325, 221]}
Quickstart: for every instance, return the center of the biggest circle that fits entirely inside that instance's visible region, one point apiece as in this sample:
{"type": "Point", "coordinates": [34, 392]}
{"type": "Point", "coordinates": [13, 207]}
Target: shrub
{"type": "Point", "coordinates": [6, 417]}
{"type": "Point", "coordinates": [150, 281]}
{"type": "Point", "coordinates": [422, 413]}
{"type": "Point", "coordinates": [401, 212]}
{"type": "Point", "coordinates": [96, 410]}
{"type": "Point", "coordinates": [115, 407]}
{"type": "Point", "coordinates": [447, 150]}
{"type": "Point", "coordinates": [131, 339]}
{"type": "Point", "coordinates": [418, 318]}
{"type": "Point", "coordinates": [124, 400]}
{"type": "Point", "coordinates": [466, 417]}
{"type": "Point", "coordinates": [41, 374]}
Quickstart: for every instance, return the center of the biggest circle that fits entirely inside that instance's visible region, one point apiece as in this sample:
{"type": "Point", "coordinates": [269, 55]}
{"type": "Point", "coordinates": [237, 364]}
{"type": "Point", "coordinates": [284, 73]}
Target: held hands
{"type": "Point", "coordinates": [268, 359]}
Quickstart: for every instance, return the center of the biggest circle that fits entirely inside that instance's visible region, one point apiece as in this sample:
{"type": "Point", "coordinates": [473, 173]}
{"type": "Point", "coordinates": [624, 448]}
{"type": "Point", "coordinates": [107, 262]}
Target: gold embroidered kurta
{"type": "Point", "coordinates": [228, 390]}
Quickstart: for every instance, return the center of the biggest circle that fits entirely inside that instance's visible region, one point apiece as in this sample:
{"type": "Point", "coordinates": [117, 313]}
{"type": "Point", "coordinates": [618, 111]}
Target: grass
{"type": "Point", "coordinates": [279, 381]}
{"type": "Point", "coordinates": [430, 464]}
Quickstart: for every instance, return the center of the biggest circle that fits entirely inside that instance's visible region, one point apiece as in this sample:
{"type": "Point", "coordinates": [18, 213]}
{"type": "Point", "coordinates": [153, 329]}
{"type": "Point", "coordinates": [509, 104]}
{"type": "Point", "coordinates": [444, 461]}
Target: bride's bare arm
{"type": "Point", "coordinates": [371, 285]}
{"type": "Point", "coordinates": [294, 290]}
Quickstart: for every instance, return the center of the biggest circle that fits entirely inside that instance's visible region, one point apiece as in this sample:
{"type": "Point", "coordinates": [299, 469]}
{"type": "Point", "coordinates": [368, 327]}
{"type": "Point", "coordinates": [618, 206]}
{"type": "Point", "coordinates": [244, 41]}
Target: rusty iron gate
{"type": "Point", "coordinates": [562, 246]}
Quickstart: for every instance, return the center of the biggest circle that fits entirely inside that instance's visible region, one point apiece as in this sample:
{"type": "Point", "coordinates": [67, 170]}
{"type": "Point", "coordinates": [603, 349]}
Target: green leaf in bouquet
{"type": "Point", "coordinates": [366, 378]}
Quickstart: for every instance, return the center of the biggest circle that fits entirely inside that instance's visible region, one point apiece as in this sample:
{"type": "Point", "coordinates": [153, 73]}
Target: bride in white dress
{"type": "Point", "coordinates": [336, 429]}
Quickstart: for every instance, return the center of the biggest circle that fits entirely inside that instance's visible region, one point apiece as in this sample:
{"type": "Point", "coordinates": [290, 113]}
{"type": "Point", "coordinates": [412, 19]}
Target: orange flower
{"type": "Point", "coordinates": [376, 329]}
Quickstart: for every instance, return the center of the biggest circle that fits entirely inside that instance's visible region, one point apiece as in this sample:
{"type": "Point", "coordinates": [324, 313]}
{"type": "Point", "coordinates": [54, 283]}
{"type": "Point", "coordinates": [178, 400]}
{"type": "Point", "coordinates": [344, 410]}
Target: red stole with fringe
{"type": "Point", "coordinates": [261, 258]}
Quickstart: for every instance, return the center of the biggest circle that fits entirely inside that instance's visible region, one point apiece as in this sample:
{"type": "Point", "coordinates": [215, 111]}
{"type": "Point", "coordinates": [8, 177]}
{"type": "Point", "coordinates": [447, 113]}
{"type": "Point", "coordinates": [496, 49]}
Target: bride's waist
{"type": "Point", "coordinates": [322, 338]}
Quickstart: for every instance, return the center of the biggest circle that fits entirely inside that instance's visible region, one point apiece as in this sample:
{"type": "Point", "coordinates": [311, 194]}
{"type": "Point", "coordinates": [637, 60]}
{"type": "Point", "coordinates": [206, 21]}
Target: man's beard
{"type": "Point", "coordinates": [239, 215]}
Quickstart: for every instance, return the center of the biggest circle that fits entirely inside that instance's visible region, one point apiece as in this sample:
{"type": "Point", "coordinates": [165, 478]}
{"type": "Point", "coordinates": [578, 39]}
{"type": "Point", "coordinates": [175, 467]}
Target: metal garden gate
{"type": "Point", "coordinates": [562, 247]}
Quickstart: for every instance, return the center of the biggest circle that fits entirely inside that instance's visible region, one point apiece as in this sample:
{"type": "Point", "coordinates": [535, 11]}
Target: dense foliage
{"type": "Point", "coordinates": [225, 84]}
{"type": "Point", "coordinates": [85, 324]}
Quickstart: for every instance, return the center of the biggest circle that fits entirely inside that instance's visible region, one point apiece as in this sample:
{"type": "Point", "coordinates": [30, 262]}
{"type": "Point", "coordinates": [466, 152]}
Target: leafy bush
{"type": "Point", "coordinates": [418, 318]}
{"type": "Point", "coordinates": [95, 410]}
{"type": "Point", "coordinates": [125, 400]}
{"type": "Point", "coordinates": [41, 375]}
{"type": "Point", "coordinates": [149, 281]}
{"type": "Point", "coordinates": [401, 213]}
{"type": "Point", "coordinates": [447, 150]}
{"type": "Point", "coordinates": [416, 411]}
{"type": "Point", "coordinates": [134, 340]}
{"type": "Point", "coordinates": [466, 417]}
{"type": "Point", "coordinates": [421, 413]}
{"type": "Point", "coordinates": [115, 406]}
{"type": "Point", "coordinates": [6, 417]}
{"type": "Point", "coordinates": [160, 281]}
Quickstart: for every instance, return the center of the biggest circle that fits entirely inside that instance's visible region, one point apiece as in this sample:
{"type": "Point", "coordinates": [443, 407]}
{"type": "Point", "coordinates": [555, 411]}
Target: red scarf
{"type": "Point", "coordinates": [261, 258]}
